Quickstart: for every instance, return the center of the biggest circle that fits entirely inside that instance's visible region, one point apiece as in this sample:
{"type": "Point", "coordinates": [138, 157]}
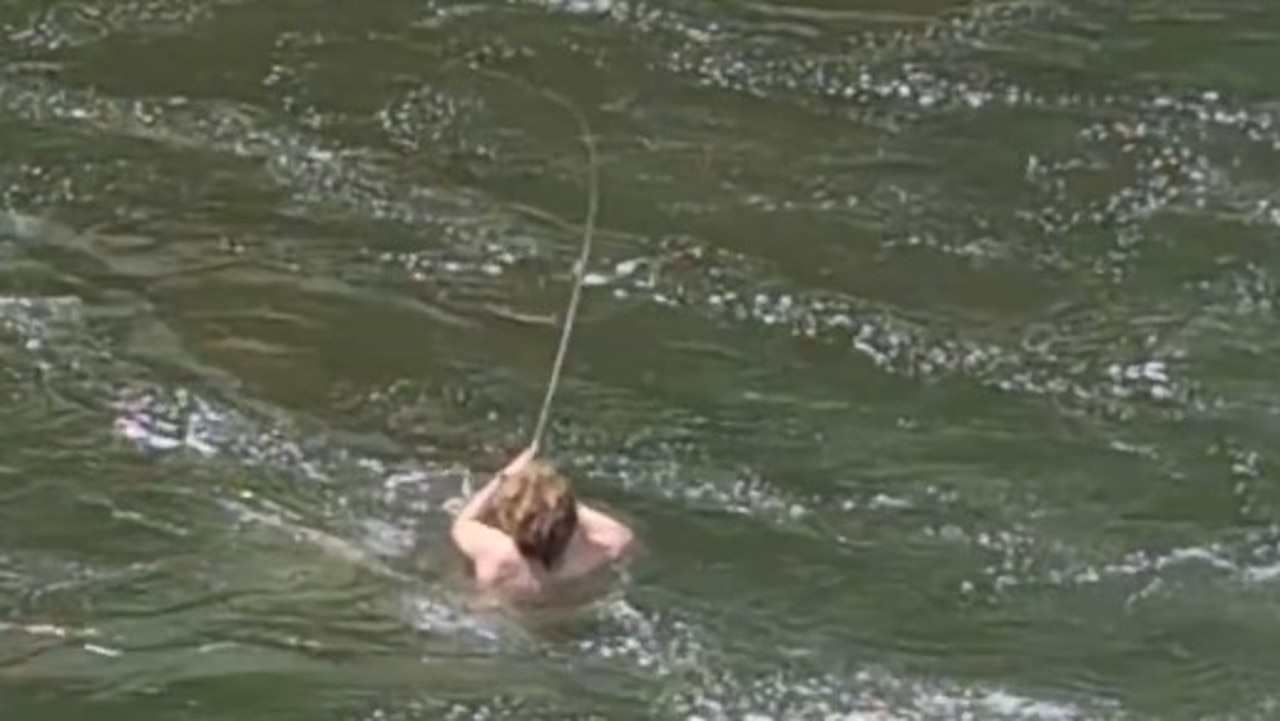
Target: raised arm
{"type": "Point", "coordinates": [607, 531]}
{"type": "Point", "coordinates": [483, 544]}
{"type": "Point", "coordinates": [480, 499]}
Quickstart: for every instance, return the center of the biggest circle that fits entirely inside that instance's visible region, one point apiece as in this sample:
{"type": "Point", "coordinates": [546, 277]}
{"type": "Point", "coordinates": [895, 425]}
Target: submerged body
{"type": "Point", "coordinates": [528, 537]}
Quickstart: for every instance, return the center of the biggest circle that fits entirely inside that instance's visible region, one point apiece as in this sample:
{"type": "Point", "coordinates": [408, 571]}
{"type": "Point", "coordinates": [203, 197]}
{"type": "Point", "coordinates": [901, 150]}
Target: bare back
{"type": "Point", "coordinates": [500, 569]}
{"type": "Point", "coordinates": [526, 536]}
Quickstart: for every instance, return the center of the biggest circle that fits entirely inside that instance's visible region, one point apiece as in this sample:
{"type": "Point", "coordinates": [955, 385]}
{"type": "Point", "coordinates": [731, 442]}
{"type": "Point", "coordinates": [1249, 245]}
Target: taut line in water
{"type": "Point", "coordinates": [588, 232]}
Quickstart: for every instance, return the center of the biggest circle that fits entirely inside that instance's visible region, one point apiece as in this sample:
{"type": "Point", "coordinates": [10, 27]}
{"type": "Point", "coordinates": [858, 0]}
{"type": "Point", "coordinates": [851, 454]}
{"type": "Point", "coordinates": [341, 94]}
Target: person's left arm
{"type": "Point", "coordinates": [607, 531]}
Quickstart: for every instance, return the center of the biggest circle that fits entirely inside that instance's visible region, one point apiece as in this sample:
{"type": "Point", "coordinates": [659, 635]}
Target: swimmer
{"type": "Point", "coordinates": [525, 534]}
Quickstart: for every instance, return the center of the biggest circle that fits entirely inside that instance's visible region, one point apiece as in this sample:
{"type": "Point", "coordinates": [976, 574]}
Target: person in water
{"type": "Point", "coordinates": [525, 533]}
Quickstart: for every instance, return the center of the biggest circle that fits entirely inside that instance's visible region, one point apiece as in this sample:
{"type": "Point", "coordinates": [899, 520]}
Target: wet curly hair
{"type": "Point", "coordinates": [536, 508]}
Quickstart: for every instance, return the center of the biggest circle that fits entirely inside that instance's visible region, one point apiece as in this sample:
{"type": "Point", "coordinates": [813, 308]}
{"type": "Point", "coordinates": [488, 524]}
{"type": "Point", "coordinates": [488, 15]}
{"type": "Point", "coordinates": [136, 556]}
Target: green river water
{"type": "Point", "coordinates": [925, 344]}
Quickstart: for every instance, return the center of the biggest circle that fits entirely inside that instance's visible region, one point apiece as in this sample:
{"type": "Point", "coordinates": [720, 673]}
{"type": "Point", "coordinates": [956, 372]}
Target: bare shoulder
{"type": "Point", "coordinates": [498, 565]}
{"type": "Point", "coordinates": [606, 532]}
{"type": "Point", "coordinates": [500, 569]}
{"type": "Point", "coordinates": [493, 554]}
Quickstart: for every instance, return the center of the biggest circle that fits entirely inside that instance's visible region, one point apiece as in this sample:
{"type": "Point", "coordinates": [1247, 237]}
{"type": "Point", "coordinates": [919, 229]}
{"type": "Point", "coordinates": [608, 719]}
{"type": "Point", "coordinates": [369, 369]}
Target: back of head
{"type": "Point", "coordinates": [536, 508]}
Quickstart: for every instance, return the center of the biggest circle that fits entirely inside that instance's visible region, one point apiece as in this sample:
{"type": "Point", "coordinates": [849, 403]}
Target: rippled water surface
{"type": "Point", "coordinates": [931, 347]}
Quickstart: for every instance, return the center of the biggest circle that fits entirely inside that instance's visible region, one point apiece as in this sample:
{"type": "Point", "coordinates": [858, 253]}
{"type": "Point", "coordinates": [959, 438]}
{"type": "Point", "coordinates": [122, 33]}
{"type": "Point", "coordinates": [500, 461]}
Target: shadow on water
{"type": "Point", "coordinates": [929, 345]}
